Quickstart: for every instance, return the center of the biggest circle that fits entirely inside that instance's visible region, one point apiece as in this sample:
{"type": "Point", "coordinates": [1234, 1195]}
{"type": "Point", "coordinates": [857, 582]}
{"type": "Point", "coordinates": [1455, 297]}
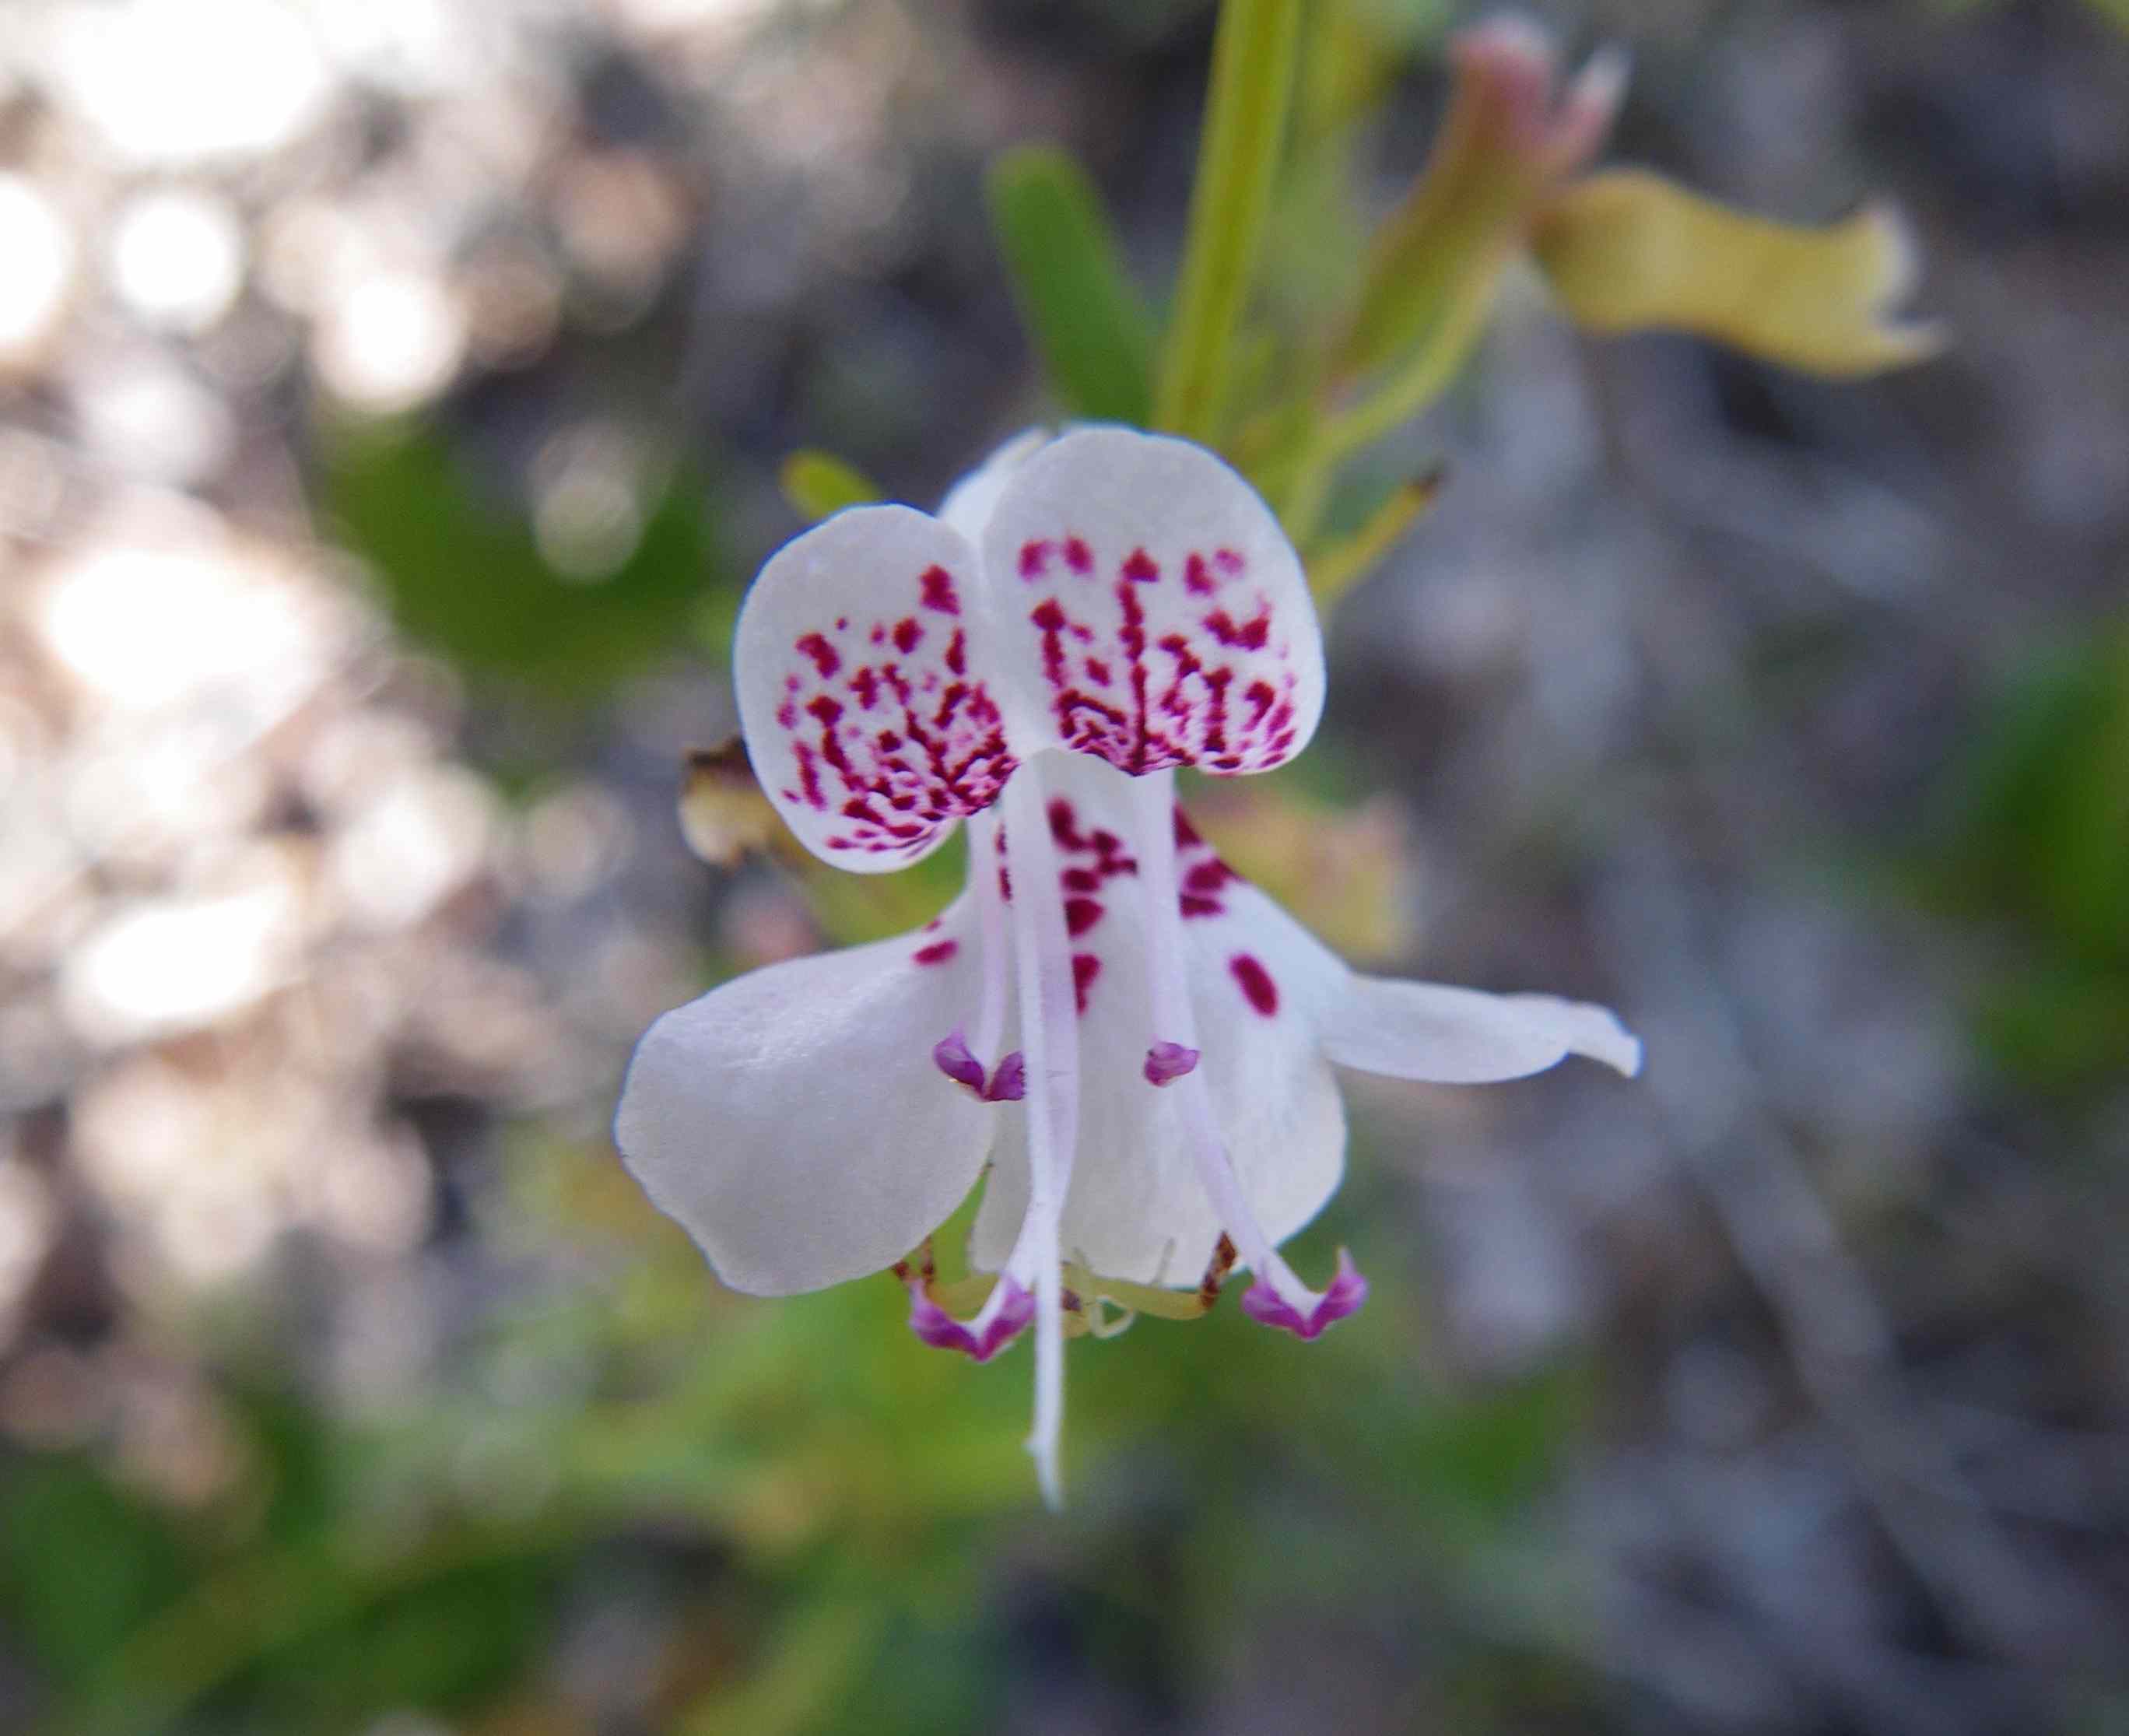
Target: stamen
{"type": "Point", "coordinates": [1000, 1320]}
{"type": "Point", "coordinates": [1049, 1030]}
{"type": "Point", "coordinates": [1167, 1062]}
{"type": "Point", "coordinates": [951, 1055]}
{"type": "Point", "coordinates": [1286, 1300]}
{"type": "Point", "coordinates": [1008, 1080]}
{"type": "Point", "coordinates": [1346, 1291]}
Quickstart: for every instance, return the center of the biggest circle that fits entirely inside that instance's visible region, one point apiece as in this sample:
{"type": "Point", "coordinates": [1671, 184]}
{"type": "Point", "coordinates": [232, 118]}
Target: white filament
{"type": "Point", "coordinates": [1153, 798]}
{"type": "Point", "coordinates": [984, 864]}
{"type": "Point", "coordinates": [1049, 1041]}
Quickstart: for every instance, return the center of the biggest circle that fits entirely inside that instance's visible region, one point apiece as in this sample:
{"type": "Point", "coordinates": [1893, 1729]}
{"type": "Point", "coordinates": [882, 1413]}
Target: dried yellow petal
{"type": "Point", "coordinates": [1627, 250]}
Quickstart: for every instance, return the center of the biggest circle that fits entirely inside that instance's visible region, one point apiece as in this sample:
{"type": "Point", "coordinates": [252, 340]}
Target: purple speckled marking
{"type": "Point", "coordinates": [1157, 670]}
{"type": "Point", "coordinates": [896, 740]}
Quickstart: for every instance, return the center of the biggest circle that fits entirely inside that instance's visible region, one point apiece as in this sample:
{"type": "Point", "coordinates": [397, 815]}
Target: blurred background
{"type": "Point", "coordinates": [391, 401]}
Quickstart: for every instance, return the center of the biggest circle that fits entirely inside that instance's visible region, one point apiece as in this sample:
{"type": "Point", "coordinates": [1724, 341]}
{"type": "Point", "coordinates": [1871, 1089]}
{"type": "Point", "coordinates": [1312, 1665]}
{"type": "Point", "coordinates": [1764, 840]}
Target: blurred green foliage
{"type": "Point", "coordinates": [818, 485]}
{"type": "Point", "coordinates": [2038, 849]}
{"type": "Point", "coordinates": [855, 1490]}
{"type": "Point", "coordinates": [462, 571]}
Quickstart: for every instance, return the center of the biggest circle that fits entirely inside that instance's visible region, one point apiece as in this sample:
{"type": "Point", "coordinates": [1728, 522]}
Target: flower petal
{"type": "Point", "coordinates": [970, 502]}
{"type": "Point", "coordinates": [793, 1120]}
{"type": "Point", "coordinates": [863, 689]}
{"type": "Point", "coordinates": [1259, 983]}
{"type": "Point", "coordinates": [1150, 610]}
{"type": "Point", "coordinates": [1461, 1036]}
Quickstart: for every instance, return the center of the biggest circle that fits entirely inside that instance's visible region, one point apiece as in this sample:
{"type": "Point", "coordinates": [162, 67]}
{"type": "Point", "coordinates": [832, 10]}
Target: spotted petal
{"type": "Point", "coordinates": [792, 1121]}
{"type": "Point", "coordinates": [1461, 1036]}
{"type": "Point", "coordinates": [1151, 611]}
{"type": "Point", "coordinates": [870, 707]}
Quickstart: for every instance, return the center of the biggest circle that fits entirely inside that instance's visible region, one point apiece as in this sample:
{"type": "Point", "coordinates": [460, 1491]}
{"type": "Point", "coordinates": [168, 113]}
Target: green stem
{"type": "Point", "coordinates": [1411, 390]}
{"type": "Point", "coordinates": [1238, 155]}
{"type": "Point", "coordinates": [1335, 570]}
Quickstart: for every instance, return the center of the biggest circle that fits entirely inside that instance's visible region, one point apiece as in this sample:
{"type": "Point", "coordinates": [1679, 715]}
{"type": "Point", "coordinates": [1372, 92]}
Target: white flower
{"type": "Point", "coordinates": [1138, 1043]}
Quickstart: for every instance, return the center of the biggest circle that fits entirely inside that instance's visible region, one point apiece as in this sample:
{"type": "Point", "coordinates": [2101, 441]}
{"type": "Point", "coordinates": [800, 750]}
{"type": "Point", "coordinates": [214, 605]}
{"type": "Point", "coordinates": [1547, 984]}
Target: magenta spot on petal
{"type": "Point", "coordinates": [1078, 556]}
{"type": "Point", "coordinates": [1192, 905]}
{"type": "Point", "coordinates": [906, 634]}
{"type": "Point", "coordinates": [1227, 561]}
{"type": "Point", "coordinates": [1034, 558]}
{"type": "Point", "coordinates": [1140, 568]}
{"type": "Point", "coordinates": [1080, 915]}
{"type": "Point", "coordinates": [809, 778]}
{"type": "Point", "coordinates": [1197, 577]}
{"type": "Point", "coordinates": [1167, 1061]}
{"type": "Point", "coordinates": [939, 1329]}
{"type": "Point", "coordinates": [1248, 635]}
{"type": "Point", "coordinates": [957, 652]}
{"type": "Point", "coordinates": [825, 658]}
{"type": "Point", "coordinates": [937, 585]}
{"type": "Point", "coordinates": [937, 952]}
{"type": "Point", "coordinates": [1347, 1292]}
{"type": "Point", "coordinates": [950, 1055]}
{"type": "Point", "coordinates": [1008, 1080]}
{"type": "Point", "coordinates": [1256, 983]}
{"type": "Point", "coordinates": [1085, 967]}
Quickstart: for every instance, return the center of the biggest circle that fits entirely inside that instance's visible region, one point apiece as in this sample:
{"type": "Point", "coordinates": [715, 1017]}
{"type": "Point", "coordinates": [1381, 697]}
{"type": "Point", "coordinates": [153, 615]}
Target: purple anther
{"type": "Point", "coordinates": [951, 1054]}
{"type": "Point", "coordinates": [1347, 1290]}
{"type": "Point", "coordinates": [1167, 1061]}
{"type": "Point", "coordinates": [940, 1330]}
{"type": "Point", "coordinates": [1008, 1080]}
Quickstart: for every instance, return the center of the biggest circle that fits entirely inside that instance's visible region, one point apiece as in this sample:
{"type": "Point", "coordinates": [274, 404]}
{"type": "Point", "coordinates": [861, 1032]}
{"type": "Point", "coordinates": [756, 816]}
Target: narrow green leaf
{"type": "Point", "coordinates": [1334, 568]}
{"type": "Point", "coordinates": [1088, 318]}
{"type": "Point", "coordinates": [819, 485]}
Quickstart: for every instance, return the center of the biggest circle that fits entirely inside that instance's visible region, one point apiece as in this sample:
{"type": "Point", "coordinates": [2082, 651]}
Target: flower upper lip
{"type": "Point", "coordinates": [1137, 1041]}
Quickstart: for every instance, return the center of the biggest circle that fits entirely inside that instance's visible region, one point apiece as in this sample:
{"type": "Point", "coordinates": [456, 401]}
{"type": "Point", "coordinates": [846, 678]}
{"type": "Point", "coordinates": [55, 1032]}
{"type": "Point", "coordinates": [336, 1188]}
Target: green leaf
{"type": "Point", "coordinates": [464, 573]}
{"type": "Point", "coordinates": [81, 1564]}
{"type": "Point", "coordinates": [1088, 318]}
{"type": "Point", "coordinates": [819, 485]}
{"type": "Point", "coordinates": [2043, 811]}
